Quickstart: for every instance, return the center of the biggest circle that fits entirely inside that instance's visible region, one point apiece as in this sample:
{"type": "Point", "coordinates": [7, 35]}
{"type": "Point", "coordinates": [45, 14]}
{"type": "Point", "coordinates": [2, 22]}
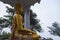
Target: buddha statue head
{"type": "Point", "coordinates": [18, 7]}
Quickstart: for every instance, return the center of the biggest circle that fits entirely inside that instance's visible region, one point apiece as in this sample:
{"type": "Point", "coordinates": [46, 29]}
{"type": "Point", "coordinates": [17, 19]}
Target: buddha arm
{"type": "Point", "coordinates": [13, 24]}
{"type": "Point", "coordinates": [20, 26]}
{"type": "Point", "coordinates": [12, 29]}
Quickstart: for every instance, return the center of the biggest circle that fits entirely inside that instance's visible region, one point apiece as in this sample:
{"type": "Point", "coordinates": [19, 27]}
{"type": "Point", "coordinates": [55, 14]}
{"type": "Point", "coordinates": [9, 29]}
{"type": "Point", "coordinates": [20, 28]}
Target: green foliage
{"type": "Point", "coordinates": [55, 29]}
{"type": "Point", "coordinates": [46, 38]}
{"type": "Point", "coordinates": [3, 22]}
{"type": "Point", "coordinates": [5, 36]}
{"type": "Point", "coordinates": [34, 22]}
{"type": "Point", "coordinates": [7, 21]}
{"type": "Point", "coordinates": [49, 39]}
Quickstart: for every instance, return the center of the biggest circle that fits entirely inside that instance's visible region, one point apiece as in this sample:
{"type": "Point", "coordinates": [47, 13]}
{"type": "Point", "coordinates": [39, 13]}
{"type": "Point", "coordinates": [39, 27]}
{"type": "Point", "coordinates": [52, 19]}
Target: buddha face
{"type": "Point", "coordinates": [19, 11]}
{"type": "Point", "coordinates": [17, 8]}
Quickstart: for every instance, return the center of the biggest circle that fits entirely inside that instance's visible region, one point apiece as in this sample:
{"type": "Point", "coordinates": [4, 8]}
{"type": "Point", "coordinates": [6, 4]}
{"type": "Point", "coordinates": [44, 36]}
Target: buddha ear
{"type": "Point", "coordinates": [21, 9]}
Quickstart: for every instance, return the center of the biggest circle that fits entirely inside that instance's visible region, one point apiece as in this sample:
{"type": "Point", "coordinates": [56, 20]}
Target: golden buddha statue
{"type": "Point", "coordinates": [17, 27]}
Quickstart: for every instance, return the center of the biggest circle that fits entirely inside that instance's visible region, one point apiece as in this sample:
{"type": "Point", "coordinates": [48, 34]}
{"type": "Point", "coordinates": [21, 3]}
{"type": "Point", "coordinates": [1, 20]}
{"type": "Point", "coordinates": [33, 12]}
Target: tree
{"type": "Point", "coordinates": [3, 23]}
{"type": "Point", "coordinates": [46, 38]}
{"type": "Point", "coordinates": [4, 36]}
{"type": "Point", "coordinates": [49, 39]}
{"type": "Point", "coordinates": [34, 22]}
{"type": "Point", "coordinates": [55, 29]}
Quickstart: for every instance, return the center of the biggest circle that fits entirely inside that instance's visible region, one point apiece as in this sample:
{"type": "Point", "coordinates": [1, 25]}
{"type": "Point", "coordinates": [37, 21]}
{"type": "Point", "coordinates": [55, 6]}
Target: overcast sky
{"type": "Point", "coordinates": [48, 12]}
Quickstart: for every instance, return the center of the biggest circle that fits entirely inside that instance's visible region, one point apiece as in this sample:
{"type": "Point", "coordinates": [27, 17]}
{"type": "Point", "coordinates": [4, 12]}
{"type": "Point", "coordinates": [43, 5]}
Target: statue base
{"type": "Point", "coordinates": [27, 37]}
{"type": "Point", "coordinates": [23, 38]}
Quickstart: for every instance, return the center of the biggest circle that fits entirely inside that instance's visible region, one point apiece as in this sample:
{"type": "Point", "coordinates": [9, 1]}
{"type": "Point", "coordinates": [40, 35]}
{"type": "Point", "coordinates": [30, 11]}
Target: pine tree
{"type": "Point", "coordinates": [55, 29]}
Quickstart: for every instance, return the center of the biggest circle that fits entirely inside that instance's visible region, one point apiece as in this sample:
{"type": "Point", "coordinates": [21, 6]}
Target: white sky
{"type": "Point", "coordinates": [48, 11]}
